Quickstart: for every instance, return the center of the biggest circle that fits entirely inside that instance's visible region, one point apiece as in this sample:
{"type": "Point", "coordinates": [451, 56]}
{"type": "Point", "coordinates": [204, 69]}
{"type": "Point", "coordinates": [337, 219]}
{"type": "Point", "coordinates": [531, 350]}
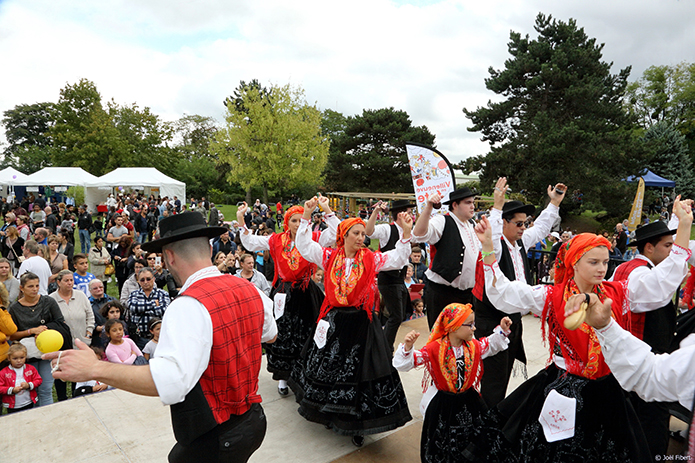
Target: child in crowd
{"type": "Point", "coordinates": [453, 360]}
{"type": "Point", "coordinates": [19, 381]}
{"type": "Point", "coordinates": [121, 349]}
{"type": "Point", "coordinates": [81, 276]}
{"type": "Point", "coordinates": [155, 327]}
{"type": "Point", "coordinates": [418, 308]}
{"type": "Point", "coordinates": [98, 225]}
{"type": "Point", "coordinates": [112, 309]}
{"type": "Point", "coordinates": [88, 387]}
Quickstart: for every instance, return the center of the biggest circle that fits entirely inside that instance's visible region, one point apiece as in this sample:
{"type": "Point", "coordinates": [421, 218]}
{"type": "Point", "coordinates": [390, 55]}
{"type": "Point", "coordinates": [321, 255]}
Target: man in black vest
{"type": "Point", "coordinates": [655, 324]}
{"type": "Point", "coordinates": [511, 240]}
{"type": "Point", "coordinates": [452, 275]}
{"type": "Point", "coordinates": [394, 294]}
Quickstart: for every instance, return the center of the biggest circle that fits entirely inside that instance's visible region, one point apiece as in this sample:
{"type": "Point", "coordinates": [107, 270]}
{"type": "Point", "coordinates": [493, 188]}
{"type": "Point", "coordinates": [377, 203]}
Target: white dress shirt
{"type": "Point", "coordinates": [312, 251]}
{"type": "Point", "coordinates": [654, 377]}
{"type": "Point", "coordinates": [260, 243]}
{"type": "Point", "coordinates": [183, 352]}
{"type": "Point", "coordinates": [435, 228]}
{"type": "Point", "coordinates": [541, 229]}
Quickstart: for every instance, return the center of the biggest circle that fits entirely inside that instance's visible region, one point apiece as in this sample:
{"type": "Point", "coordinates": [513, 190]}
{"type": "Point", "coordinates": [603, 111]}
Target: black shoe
{"type": "Point", "coordinates": [283, 391]}
{"type": "Point", "coordinates": [358, 441]}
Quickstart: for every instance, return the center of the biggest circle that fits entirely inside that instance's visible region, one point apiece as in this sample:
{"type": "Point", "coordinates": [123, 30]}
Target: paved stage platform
{"type": "Point", "coordinates": [118, 427]}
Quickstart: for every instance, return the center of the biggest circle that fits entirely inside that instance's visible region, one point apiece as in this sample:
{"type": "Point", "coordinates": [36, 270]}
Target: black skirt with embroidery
{"type": "Point", "coordinates": [451, 423]}
{"type": "Point", "coordinates": [295, 326]}
{"type": "Point", "coordinates": [606, 426]}
{"type": "Point", "coordinates": [349, 383]}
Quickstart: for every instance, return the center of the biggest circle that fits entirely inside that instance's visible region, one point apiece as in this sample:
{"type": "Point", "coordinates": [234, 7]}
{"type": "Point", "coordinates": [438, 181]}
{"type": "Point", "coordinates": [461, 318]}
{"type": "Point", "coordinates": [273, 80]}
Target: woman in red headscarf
{"type": "Point", "coordinates": [574, 409]}
{"type": "Point", "coordinates": [296, 297]}
{"type": "Point", "coordinates": [453, 358]}
{"type": "Point", "coordinates": [345, 379]}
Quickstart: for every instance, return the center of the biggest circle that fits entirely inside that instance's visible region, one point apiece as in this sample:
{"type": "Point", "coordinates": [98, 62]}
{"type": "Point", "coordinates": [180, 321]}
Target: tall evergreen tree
{"type": "Point", "coordinates": [669, 156]}
{"type": "Point", "coordinates": [561, 119]}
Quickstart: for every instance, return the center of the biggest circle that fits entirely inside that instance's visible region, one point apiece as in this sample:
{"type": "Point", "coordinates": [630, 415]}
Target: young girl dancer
{"type": "Point", "coordinates": [453, 359]}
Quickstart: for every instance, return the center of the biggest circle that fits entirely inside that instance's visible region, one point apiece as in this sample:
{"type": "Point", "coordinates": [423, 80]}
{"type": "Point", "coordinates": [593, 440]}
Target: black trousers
{"type": "Point", "coordinates": [396, 299]}
{"type": "Point", "coordinates": [655, 420]}
{"type": "Point", "coordinates": [62, 389]}
{"type": "Point", "coordinates": [497, 369]}
{"type": "Point", "coordinates": [438, 296]}
{"type": "Point", "coordinates": [230, 442]}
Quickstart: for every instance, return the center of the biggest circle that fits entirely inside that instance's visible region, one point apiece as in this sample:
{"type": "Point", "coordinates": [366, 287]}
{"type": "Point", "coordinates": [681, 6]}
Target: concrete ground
{"type": "Point", "coordinates": [116, 426]}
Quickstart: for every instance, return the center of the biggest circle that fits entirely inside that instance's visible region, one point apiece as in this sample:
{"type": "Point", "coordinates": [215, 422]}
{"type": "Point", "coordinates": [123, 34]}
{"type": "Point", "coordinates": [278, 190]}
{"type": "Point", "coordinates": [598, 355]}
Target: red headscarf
{"type": "Point", "coordinates": [442, 366]}
{"type": "Point", "coordinates": [344, 227]}
{"type": "Point", "coordinates": [570, 253]}
{"type": "Point", "coordinates": [580, 348]}
{"type": "Point", "coordinates": [290, 212]}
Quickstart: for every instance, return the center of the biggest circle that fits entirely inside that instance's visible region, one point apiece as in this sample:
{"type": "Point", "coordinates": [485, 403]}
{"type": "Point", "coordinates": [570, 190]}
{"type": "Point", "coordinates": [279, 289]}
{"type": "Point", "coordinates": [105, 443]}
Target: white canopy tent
{"type": "Point", "coordinates": [62, 177]}
{"type": "Point", "coordinates": [9, 177]}
{"type": "Point", "coordinates": [146, 179]}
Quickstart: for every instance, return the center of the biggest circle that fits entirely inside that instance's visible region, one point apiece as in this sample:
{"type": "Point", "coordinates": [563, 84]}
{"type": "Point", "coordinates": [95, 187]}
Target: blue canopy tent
{"type": "Point", "coordinates": [651, 179]}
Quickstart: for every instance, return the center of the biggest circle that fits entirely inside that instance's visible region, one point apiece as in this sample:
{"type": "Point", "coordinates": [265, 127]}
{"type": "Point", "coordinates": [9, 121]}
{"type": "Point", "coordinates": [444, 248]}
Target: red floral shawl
{"type": "Point", "coordinates": [359, 290]}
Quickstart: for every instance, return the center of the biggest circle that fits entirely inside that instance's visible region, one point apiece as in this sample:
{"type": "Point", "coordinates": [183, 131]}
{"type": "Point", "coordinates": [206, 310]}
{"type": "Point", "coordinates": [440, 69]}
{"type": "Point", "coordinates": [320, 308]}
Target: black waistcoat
{"type": "Point", "coordinates": [391, 277]}
{"type": "Point", "coordinates": [484, 309]}
{"type": "Point", "coordinates": [448, 261]}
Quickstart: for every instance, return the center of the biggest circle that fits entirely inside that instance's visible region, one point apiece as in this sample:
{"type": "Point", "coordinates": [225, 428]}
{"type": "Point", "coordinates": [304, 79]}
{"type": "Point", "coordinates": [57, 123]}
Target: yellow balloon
{"type": "Point", "coordinates": [49, 341]}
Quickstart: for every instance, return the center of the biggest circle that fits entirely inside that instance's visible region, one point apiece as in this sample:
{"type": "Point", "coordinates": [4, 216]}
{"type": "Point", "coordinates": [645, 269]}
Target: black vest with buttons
{"type": "Point", "coordinates": [448, 261]}
{"type": "Point", "coordinates": [485, 309]}
{"type": "Point", "coordinates": [391, 277]}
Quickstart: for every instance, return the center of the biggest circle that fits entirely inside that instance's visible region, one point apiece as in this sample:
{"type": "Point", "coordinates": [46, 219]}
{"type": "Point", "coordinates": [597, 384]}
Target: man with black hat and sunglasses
{"type": "Point", "coordinates": [654, 324]}
{"type": "Point", "coordinates": [455, 251]}
{"type": "Point", "coordinates": [394, 293]}
{"type": "Point", "coordinates": [511, 237]}
{"type": "Point", "coordinates": [209, 353]}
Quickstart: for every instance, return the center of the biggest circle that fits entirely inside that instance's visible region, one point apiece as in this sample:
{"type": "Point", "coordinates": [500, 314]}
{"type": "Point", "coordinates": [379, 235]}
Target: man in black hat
{"type": "Point", "coordinates": [655, 324]}
{"type": "Point", "coordinates": [511, 239]}
{"type": "Point", "coordinates": [209, 353]}
{"type": "Point", "coordinates": [391, 283]}
{"type": "Point", "coordinates": [452, 275]}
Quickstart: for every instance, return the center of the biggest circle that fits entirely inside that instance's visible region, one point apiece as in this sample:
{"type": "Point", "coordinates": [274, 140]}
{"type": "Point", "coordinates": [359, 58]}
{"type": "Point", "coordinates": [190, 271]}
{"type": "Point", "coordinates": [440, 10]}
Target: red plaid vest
{"type": "Point", "coordinates": [230, 382]}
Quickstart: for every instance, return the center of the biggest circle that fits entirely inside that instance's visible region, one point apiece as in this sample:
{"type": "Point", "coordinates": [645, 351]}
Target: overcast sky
{"type": "Point", "coordinates": [429, 58]}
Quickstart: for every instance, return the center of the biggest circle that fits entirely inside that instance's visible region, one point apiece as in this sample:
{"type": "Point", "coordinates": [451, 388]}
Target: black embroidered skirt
{"type": "Point", "coordinates": [294, 327]}
{"type": "Point", "coordinates": [349, 383]}
{"type": "Point", "coordinates": [451, 422]}
{"type": "Point", "coordinates": [606, 426]}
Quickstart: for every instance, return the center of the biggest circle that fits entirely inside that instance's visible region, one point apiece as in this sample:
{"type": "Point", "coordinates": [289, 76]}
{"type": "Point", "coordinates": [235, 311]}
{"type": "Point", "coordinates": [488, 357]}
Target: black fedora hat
{"type": "Point", "coordinates": [401, 205]}
{"type": "Point", "coordinates": [181, 227]}
{"type": "Point", "coordinates": [461, 193]}
{"type": "Point", "coordinates": [651, 231]}
{"type": "Point", "coordinates": [512, 207]}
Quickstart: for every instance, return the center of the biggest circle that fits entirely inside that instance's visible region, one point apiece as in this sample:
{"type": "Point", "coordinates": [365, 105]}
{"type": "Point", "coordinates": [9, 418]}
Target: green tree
{"type": "Point", "coordinates": [84, 134]}
{"type": "Point", "coordinates": [273, 141]}
{"type": "Point", "coordinates": [665, 93]}
{"type": "Point", "coordinates": [369, 150]}
{"type": "Point", "coordinates": [669, 156]}
{"type": "Point", "coordinates": [29, 147]}
{"type": "Point", "coordinates": [196, 165]}
{"type": "Point", "coordinates": [561, 119]}
{"type": "Point", "coordinates": [101, 139]}
{"type": "Point", "coordinates": [144, 139]}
